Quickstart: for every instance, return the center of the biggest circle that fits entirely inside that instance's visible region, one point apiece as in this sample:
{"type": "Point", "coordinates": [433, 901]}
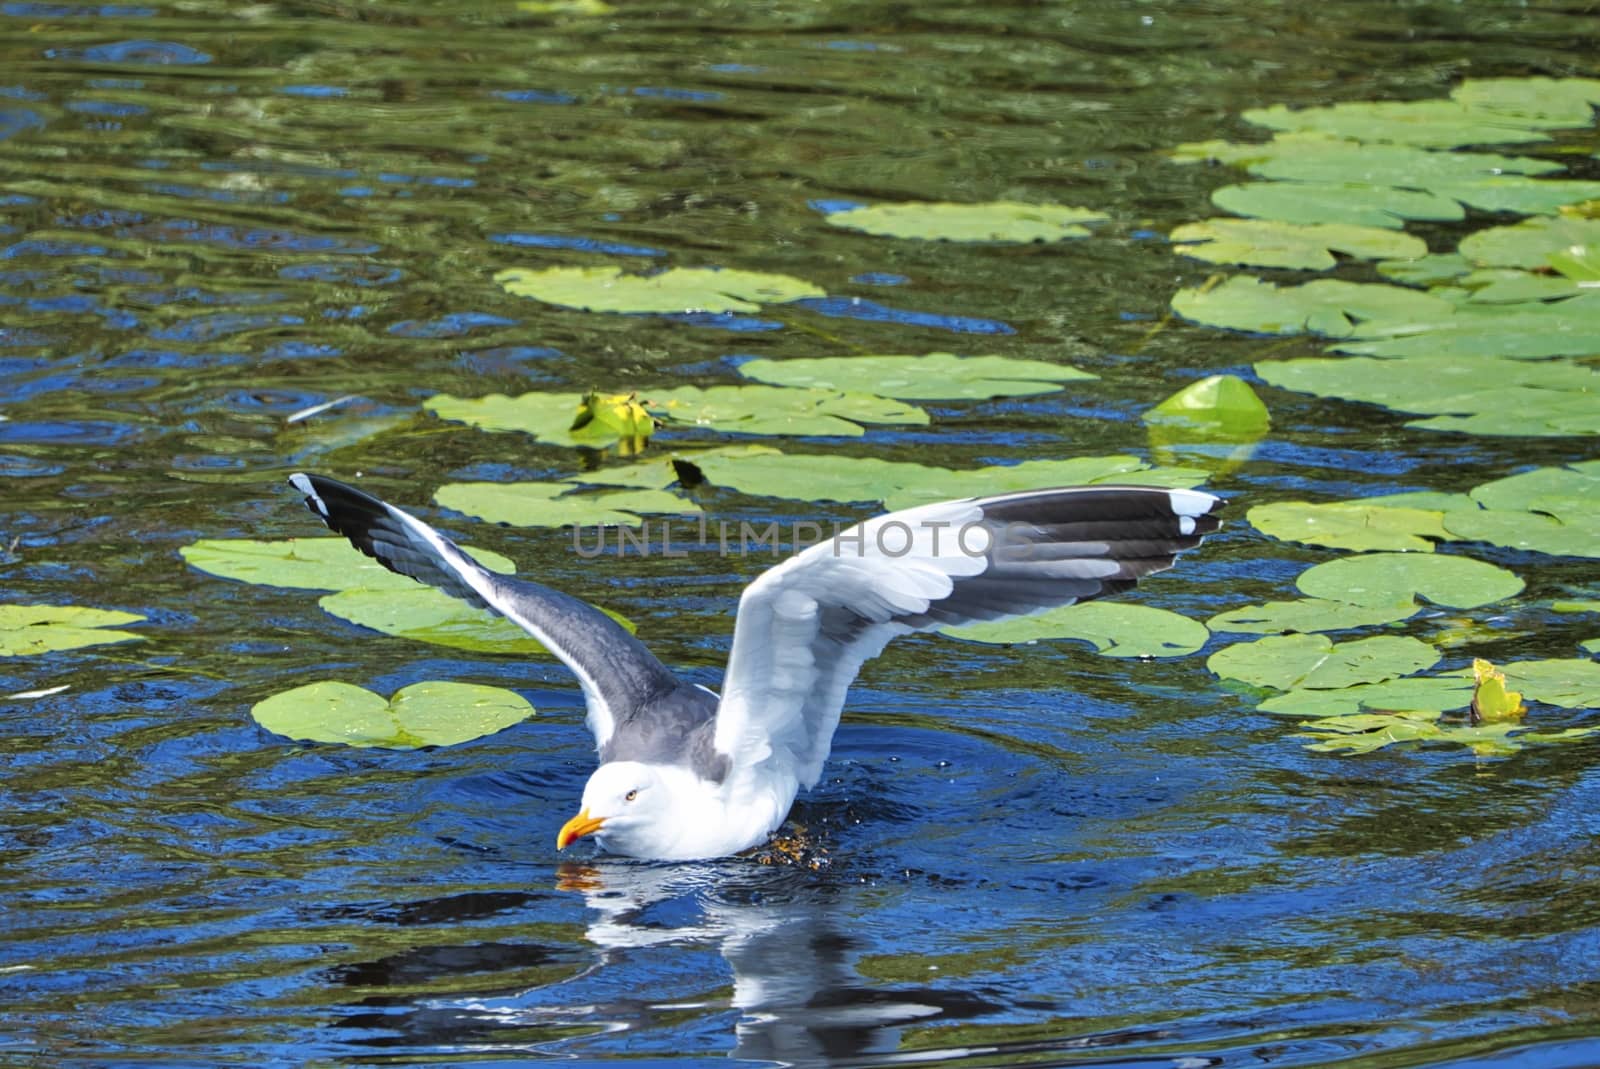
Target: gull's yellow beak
{"type": "Point", "coordinates": [576, 828]}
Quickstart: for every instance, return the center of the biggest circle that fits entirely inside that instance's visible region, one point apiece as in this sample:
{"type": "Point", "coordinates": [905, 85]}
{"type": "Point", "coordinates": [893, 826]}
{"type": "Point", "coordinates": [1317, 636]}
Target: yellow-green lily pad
{"type": "Point", "coordinates": [26, 630]}
{"type": "Point", "coordinates": [1530, 243]}
{"type": "Point", "coordinates": [1308, 615]}
{"type": "Point", "coordinates": [1380, 579]}
{"type": "Point", "coordinates": [1316, 662]}
{"type": "Point", "coordinates": [1325, 306]}
{"type": "Point", "coordinates": [753, 409]}
{"type": "Point", "coordinates": [307, 563]}
{"type": "Point", "coordinates": [1336, 202]}
{"type": "Point", "coordinates": [424, 614]}
{"type": "Point", "coordinates": [932, 377]}
{"type": "Point", "coordinates": [1351, 525]}
{"type": "Point", "coordinates": [530, 504]}
{"type": "Point", "coordinates": [1435, 693]}
{"type": "Point", "coordinates": [996, 221]}
{"type": "Point", "coordinates": [1114, 629]}
{"type": "Point", "coordinates": [423, 714]}
{"type": "Point", "coordinates": [1308, 246]}
{"type": "Point", "coordinates": [674, 291]}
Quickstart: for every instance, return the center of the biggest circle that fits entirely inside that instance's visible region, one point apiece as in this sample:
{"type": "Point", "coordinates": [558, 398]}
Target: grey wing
{"type": "Point", "coordinates": [619, 676]}
{"type": "Point", "coordinates": [806, 627]}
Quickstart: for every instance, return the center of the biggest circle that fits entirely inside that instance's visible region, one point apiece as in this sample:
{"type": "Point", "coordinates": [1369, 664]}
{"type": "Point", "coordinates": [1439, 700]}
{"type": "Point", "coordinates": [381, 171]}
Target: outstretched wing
{"type": "Point", "coordinates": [806, 626]}
{"type": "Point", "coordinates": [617, 673]}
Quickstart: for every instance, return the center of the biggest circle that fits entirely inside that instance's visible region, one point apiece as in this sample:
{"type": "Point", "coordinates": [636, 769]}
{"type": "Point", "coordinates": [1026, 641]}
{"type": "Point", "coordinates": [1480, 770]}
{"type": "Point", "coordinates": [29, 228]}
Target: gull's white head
{"type": "Point", "coordinates": [622, 801]}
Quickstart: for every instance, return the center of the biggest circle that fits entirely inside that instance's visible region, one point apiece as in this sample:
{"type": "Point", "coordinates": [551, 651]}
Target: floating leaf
{"type": "Point", "coordinates": [1530, 243]}
{"type": "Point", "coordinates": [1325, 306]}
{"type": "Point", "coordinates": [1366, 732]}
{"type": "Point", "coordinates": [1350, 525]}
{"type": "Point", "coordinates": [1427, 270]}
{"type": "Point", "coordinates": [425, 614]}
{"type": "Point", "coordinates": [1115, 629]}
{"type": "Point", "coordinates": [1570, 684]}
{"type": "Point", "coordinates": [1263, 243]}
{"type": "Point", "coordinates": [1380, 579]}
{"type": "Point", "coordinates": [1491, 701]}
{"type": "Point", "coordinates": [1435, 693]}
{"type": "Point", "coordinates": [1591, 645]}
{"type": "Point", "coordinates": [934, 377]}
{"type": "Point", "coordinates": [676, 290]}
{"type": "Point", "coordinates": [1222, 403]}
{"type": "Point", "coordinates": [1307, 615]}
{"type": "Point", "coordinates": [530, 504]}
{"type": "Point", "coordinates": [729, 409]}
{"type": "Point", "coordinates": [31, 629]}
{"type": "Point", "coordinates": [1576, 606]}
{"type": "Point", "coordinates": [1499, 397]}
{"type": "Point", "coordinates": [1315, 662]}
{"type": "Point", "coordinates": [1549, 510]}
{"type": "Point", "coordinates": [423, 714]}
{"type": "Point", "coordinates": [900, 484]}
{"type": "Point", "coordinates": [307, 563]}
{"type": "Point", "coordinates": [997, 221]}
{"type": "Point", "coordinates": [1426, 123]}
{"type": "Point", "coordinates": [1336, 202]}
{"type": "Point", "coordinates": [1553, 102]}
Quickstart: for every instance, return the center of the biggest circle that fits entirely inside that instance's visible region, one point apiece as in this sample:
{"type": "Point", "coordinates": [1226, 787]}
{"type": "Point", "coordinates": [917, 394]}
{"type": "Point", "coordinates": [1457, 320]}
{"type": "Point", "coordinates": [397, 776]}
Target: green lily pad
{"type": "Point", "coordinates": [997, 221]}
{"type": "Point", "coordinates": [1509, 286]}
{"type": "Point", "coordinates": [677, 290]}
{"type": "Point", "coordinates": [1429, 270]}
{"type": "Point", "coordinates": [764, 410]}
{"type": "Point", "coordinates": [1265, 243]}
{"type": "Point", "coordinates": [934, 377]}
{"type": "Point", "coordinates": [1525, 331]}
{"type": "Point", "coordinates": [1380, 579]}
{"type": "Point", "coordinates": [901, 484]}
{"type": "Point", "coordinates": [1530, 243]}
{"type": "Point", "coordinates": [428, 615]}
{"type": "Point", "coordinates": [1435, 693]}
{"type": "Point", "coordinates": [1571, 683]}
{"type": "Point", "coordinates": [1485, 396]}
{"type": "Point", "coordinates": [1217, 402]}
{"type": "Point", "coordinates": [1336, 202]}
{"type": "Point", "coordinates": [1308, 615]}
{"type": "Point", "coordinates": [1114, 629]}
{"type": "Point", "coordinates": [1425, 123]}
{"type": "Point", "coordinates": [1570, 490]}
{"type": "Point", "coordinates": [1315, 662]}
{"type": "Point", "coordinates": [1350, 525]}
{"type": "Point", "coordinates": [423, 714]}
{"type": "Point", "coordinates": [1578, 536]}
{"type": "Point", "coordinates": [31, 629]}
{"type": "Point", "coordinates": [1579, 605]}
{"type": "Point", "coordinates": [530, 504]}
{"type": "Point", "coordinates": [308, 563]}
{"type": "Point", "coordinates": [1555, 102]}
{"type": "Point", "coordinates": [1591, 645]}
{"type": "Point", "coordinates": [1325, 306]}
{"type": "Point", "coordinates": [1366, 732]}
{"type": "Point", "coordinates": [1578, 264]}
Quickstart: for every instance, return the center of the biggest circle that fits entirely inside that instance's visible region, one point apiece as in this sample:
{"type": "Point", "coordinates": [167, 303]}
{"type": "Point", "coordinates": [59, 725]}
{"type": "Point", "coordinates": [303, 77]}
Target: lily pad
{"type": "Point", "coordinates": [1554, 102]}
{"type": "Point", "coordinates": [1350, 525]}
{"type": "Point", "coordinates": [423, 714]}
{"type": "Point", "coordinates": [1366, 732]}
{"type": "Point", "coordinates": [428, 615]}
{"type": "Point", "coordinates": [1429, 270]}
{"type": "Point", "coordinates": [1486, 396]}
{"type": "Point", "coordinates": [1426, 123]}
{"type": "Point", "coordinates": [764, 410]}
{"type": "Point", "coordinates": [997, 221]}
{"type": "Point", "coordinates": [1549, 510]}
{"type": "Point", "coordinates": [1428, 693]}
{"type": "Point", "coordinates": [1336, 202]}
{"type": "Point", "coordinates": [1530, 331]}
{"type": "Point", "coordinates": [1223, 403]}
{"type": "Point", "coordinates": [1308, 615]}
{"type": "Point", "coordinates": [1310, 246]}
{"type": "Point", "coordinates": [529, 504]}
{"type": "Point", "coordinates": [1530, 243]}
{"type": "Point", "coordinates": [933, 377]}
{"type": "Point", "coordinates": [676, 290]}
{"type": "Point", "coordinates": [1325, 306]}
{"type": "Point", "coordinates": [1571, 684]}
{"type": "Point", "coordinates": [308, 563]}
{"type": "Point", "coordinates": [26, 630]}
{"type": "Point", "coordinates": [1315, 662]}
{"type": "Point", "coordinates": [1114, 629]}
{"type": "Point", "coordinates": [901, 484]}
{"type": "Point", "coordinates": [1380, 579]}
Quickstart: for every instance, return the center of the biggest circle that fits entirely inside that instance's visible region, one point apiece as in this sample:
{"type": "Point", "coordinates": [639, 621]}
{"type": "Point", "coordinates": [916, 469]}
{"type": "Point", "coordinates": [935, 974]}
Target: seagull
{"type": "Point", "coordinates": [686, 775]}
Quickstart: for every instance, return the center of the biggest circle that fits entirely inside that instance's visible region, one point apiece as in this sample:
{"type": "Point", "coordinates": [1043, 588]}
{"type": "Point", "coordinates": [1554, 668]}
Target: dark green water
{"type": "Point", "coordinates": [214, 216]}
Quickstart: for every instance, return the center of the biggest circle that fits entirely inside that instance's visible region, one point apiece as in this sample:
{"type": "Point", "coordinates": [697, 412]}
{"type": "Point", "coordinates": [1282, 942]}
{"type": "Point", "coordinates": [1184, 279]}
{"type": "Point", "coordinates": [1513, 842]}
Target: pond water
{"type": "Point", "coordinates": [211, 219]}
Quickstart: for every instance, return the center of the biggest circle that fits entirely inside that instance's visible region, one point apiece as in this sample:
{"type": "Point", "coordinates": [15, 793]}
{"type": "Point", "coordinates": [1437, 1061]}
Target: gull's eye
{"type": "Point", "coordinates": [631, 795]}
